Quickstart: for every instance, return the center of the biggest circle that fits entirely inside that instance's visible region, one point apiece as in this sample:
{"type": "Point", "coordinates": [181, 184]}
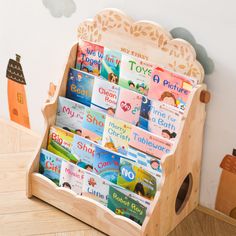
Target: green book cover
{"type": "Point", "coordinates": [136, 179]}
{"type": "Point", "coordinates": [126, 206]}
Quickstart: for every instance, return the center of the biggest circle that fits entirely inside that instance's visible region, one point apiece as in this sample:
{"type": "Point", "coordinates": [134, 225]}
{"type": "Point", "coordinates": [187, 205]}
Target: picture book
{"type": "Point", "coordinates": [149, 143]}
{"type": "Point", "coordinates": [83, 150]}
{"type": "Point", "coordinates": [147, 162]}
{"type": "Point", "coordinates": [143, 201]}
{"type": "Point", "coordinates": [80, 86]}
{"type": "Point", "coordinates": [128, 106]}
{"type": "Point", "coordinates": [105, 96]}
{"type": "Point", "coordinates": [111, 65]}
{"type": "Point", "coordinates": [170, 87]}
{"type": "Point", "coordinates": [135, 74]}
{"type": "Point", "coordinates": [89, 58]}
{"type": "Point", "coordinates": [70, 115]}
{"type": "Point", "coordinates": [159, 118]}
{"type": "Point", "coordinates": [106, 164]}
{"type": "Point", "coordinates": [96, 188]}
{"type": "Point", "coordinates": [60, 143]}
{"type": "Point", "coordinates": [136, 179]}
{"type": "Point", "coordinates": [116, 135]}
{"type": "Point", "coordinates": [71, 177]}
{"type": "Point", "coordinates": [93, 125]}
{"type": "Point", "coordinates": [50, 165]}
{"type": "Point", "coordinates": [125, 206]}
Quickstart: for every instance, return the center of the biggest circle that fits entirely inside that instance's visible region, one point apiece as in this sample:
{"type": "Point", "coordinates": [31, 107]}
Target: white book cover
{"type": "Point", "coordinates": [105, 96]}
{"type": "Point", "coordinates": [71, 177]}
{"type": "Point", "coordinates": [70, 114]}
{"type": "Point", "coordinates": [96, 188]}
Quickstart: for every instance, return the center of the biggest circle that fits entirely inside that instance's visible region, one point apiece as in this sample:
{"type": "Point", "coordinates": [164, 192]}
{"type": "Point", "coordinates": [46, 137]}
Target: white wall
{"type": "Point", "coordinates": [27, 28]}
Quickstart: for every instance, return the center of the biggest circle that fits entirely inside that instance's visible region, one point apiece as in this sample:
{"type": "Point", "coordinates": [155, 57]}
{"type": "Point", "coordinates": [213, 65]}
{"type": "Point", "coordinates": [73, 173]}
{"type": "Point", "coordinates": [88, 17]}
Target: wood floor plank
{"type": "Point", "coordinates": [40, 222]}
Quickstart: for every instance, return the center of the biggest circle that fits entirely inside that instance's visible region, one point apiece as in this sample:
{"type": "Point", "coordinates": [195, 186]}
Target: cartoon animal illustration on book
{"type": "Point", "coordinates": [17, 101]}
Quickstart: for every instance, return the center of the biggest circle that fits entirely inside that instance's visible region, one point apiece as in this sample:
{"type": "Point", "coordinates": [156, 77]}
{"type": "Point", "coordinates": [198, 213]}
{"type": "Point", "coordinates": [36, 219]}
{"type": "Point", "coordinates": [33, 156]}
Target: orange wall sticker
{"type": "Point", "coordinates": [17, 101]}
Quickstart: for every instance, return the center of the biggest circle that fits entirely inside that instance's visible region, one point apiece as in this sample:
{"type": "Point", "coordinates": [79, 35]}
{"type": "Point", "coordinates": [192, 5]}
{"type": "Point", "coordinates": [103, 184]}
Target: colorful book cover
{"type": "Point", "coordinates": [143, 201]}
{"type": "Point", "coordinates": [135, 74]}
{"type": "Point", "coordinates": [93, 125]}
{"type": "Point", "coordinates": [170, 88]}
{"type": "Point", "coordinates": [83, 150]}
{"type": "Point", "coordinates": [96, 188]}
{"type": "Point", "coordinates": [149, 143]}
{"type": "Point", "coordinates": [89, 58]}
{"type": "Point", "coordinates": [147, 162]}
{"type": "Point", "coordinates": [116, 135]}
{"type": "Point", "coordinates": [105, 96]}
{"type": "Point", "coordinates": [128, 106]}
{"type": "Point", "coordinates": [159, 118]}
{"type": "Point", "coordinates": [50, 166]}
{"type": "Point", "coordinates": [136, 179]}
{"type": "Point", "coordinates": [111, 65]}
{"type": "Point", "coordinates": [80, 86]}
{"type": "Point", "coordinates": [60, 143]}
{"type": "Point", "coordinates": [125, 206]}
{"type": "Point", "coordinates": [70, 115]}
{"type": "Point", "coordinates": [106, 164]}
{"type": "Point", "coordinates": [71, 177]}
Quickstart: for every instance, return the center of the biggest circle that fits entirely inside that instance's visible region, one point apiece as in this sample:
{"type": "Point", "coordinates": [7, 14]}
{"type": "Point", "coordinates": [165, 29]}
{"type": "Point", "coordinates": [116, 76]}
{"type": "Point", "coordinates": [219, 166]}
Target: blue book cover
{"type": "Point", "coordinates": [83, 149]}
{"type": "Point", "coordinates": [93, 125]}
{"type": "Point", "coordinates": [111, 65]}
{"type": "Point", "coordinates": [50, 166]}
{"type": "Point", "coordinates": [80, 86]}
{"type": "Point", "coordinates": [106, 164]}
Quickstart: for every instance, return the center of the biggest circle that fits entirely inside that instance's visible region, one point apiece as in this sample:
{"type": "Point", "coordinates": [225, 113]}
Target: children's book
{"type": "Point", "coordinates": [96, 188]}
{"type": "Point", "coordinates": [60, 143]}
{"type": "Point", "coordinates": [71, 177]}
{"type": "Point", "coordinates": [83, 150]}
{"type": "Point", "coordinates": [93, 125]}
{"type": "Point", "coordinates": [135, 74]}
{"type": "Point", "coordinates": [70, 115]}
{"type": "Point", "coordinates": [105, 96]}
{"type": "Point", "coordinates": [50, 165]}
{"type": "Point", "coordinates": [80, 86]}
{"type": "Point", "coordinates": [147, 162]}
{"type": "Point", "coordinates": [171, 88]}
{"type": "Point", "coordinates": [136, 179]}
{"type": "Point", "coordinates": [111, 65]}
{"type": "Point", "coordinates": [89, 58]}
{"type": "Point", "coordinates": [125, 206]}
{"type": "Point", "coordinates": [116, 135]}
{"type": "Point", "coordinates": [128, 106]}
{"type": "Point", "coordinates": [159, 118]}
{"type": "Point", "coordinates": [106, 164]}
{"type": "Point", "coordinates": [149, 143]}
{"type": "Point", "coordinates": [143, 201]}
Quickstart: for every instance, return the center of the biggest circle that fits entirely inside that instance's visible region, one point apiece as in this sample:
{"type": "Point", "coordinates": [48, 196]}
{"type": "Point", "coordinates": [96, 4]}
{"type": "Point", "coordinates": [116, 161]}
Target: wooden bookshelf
{"type": "Point", "coordinates": [179, 192]}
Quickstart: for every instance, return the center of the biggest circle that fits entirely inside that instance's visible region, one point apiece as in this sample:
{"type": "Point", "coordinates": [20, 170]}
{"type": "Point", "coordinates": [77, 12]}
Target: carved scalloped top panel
{"type": "Point", "coordinates": [143, 39]}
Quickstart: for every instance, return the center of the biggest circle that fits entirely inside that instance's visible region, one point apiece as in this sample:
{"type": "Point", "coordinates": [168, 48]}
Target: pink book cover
{"type": "Point", "coordinates": [128, 106]}
{"type": "Point", "coordinates": [89, 58]}
{"type": "Point", "coordinates": [149, 143]}
{"type": "Point", "coordinates": [170, 88]}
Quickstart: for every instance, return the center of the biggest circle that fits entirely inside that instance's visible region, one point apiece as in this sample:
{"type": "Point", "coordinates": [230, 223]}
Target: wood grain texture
{"type": "Point", "coordinates": [22, 216]}
{"type": "Point", "coordinates": [145, 39]}
{"type": "Point", "coordinates": [185, 159]}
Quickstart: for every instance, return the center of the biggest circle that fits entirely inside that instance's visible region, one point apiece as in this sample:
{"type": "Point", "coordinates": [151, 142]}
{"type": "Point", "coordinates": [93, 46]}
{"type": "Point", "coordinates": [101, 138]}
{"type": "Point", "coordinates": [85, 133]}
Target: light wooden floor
{"type": "Point", "coordinates": [22, 216]}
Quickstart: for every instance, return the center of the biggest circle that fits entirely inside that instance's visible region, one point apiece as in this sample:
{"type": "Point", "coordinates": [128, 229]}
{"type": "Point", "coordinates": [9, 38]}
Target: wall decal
{"type": "Point", "coordinates": [17, 102]}
{"type": "Point", "coordinates": [201, 52]}
{"type": "Point", "coordinates": [59, 8]}
{"type": "Point", "coordinates": [226, 196]}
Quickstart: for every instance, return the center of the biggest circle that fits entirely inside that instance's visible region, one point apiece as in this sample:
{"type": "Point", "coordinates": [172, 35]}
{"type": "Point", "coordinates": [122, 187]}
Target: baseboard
{"type": "Point", "coordinates": [218, 215]}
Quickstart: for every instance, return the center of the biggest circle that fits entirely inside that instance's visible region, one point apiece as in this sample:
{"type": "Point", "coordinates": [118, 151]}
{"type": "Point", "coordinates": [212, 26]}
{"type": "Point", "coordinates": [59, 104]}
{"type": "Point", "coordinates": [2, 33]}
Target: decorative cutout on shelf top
{"type": "Point", "coordinates": [115, 30]}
